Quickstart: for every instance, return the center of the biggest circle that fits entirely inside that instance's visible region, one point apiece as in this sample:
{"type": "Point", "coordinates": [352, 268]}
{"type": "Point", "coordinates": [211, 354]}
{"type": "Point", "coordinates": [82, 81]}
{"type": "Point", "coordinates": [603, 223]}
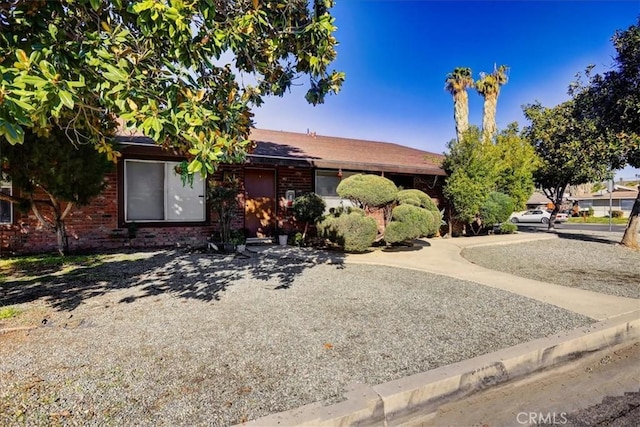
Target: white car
{"type": "Point", "coordinates": [536, 215]}
{"type": "Point", "coordinates": [562, 217]}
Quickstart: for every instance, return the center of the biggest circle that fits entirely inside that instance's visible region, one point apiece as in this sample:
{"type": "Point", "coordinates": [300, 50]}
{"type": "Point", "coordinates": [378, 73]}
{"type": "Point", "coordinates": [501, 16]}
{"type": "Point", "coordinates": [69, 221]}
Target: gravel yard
{"type": "Point", "coordinates": [175, 338]}
{"type": "Point", "coordinates": [592, 261]}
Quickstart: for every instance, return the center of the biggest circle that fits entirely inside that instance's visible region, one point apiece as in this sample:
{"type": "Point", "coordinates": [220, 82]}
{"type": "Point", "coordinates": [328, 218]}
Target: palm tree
{"type": "Point", "coordinates": [457, 83]}
{"type": "Point", "coordinates": [489, 88]}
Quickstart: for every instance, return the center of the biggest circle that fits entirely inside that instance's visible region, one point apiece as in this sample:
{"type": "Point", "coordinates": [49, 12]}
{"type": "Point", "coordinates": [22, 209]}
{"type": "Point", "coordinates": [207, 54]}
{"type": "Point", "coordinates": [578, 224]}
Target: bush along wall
{"type": "Point", "coordinates": [415, 216]}
{"type": "Point", "coordinates": [350, 229]}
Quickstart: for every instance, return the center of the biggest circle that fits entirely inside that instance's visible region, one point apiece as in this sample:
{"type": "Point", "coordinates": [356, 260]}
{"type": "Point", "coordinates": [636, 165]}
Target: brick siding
{"type": "Point", "coordinates": [97, 226]}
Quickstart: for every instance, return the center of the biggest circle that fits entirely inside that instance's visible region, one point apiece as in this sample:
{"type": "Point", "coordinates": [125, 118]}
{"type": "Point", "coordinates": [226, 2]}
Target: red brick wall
{"type": "Point", "coordinates": [297, 179]}
{"type": "Point", "coordinates": [96, 226]}
{"type": "Point", "coordinates": [93, 227]}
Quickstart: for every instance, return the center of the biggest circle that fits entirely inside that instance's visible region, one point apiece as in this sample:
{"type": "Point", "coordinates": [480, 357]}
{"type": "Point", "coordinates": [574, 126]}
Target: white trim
{"type": "Point", "coordinates": [3, 185]}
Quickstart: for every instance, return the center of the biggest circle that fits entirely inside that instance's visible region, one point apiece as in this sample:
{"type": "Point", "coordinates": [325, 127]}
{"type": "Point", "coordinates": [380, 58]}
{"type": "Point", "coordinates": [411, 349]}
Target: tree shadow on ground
{"type": "Point", "coordinates": [586, 238]}
{"type": "Point", "coordinates": [415, 246]}
{"type": "Point", "coordinates": [618, 283]}
{"type": "Point", "coordinates": [282, 265]}
{"type": "Point", "coordinates": [192, 275]}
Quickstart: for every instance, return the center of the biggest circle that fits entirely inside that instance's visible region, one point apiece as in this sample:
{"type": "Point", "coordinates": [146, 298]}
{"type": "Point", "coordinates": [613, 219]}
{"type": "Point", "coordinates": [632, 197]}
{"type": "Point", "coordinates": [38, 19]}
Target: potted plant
{"type": "Point", "coordinates": [239, 240]}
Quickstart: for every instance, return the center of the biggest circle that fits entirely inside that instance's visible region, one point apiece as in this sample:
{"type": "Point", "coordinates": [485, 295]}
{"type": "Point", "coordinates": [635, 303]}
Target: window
{"type": "Point", "coordinates": [326, 184]}
{"type": "Point", "coordinates": [6, 208]}
{"type": "Point", "coordinates": [154, 192]}
{"type": "Point", "coordinates": [585, 204]}
{"type": "Point", "coordinates": [327, 181]}
{"type": "Point", "coordinates": [626, 204]}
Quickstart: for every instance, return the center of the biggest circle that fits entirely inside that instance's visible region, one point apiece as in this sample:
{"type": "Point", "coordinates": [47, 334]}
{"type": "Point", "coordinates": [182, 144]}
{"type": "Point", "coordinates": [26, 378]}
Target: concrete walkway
{"type": "Point", "coordinates": [442, 256]}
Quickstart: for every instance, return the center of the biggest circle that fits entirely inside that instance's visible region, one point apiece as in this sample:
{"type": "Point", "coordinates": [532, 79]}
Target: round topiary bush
{"type": "Point", "coordinates": [410, 222]}
{"type": "Point", "coordinates": [368, 191]}
{"type": "Point", "coordinates": [397, 232]}
{"type": "Point", "coordinates": [416, 198]}
{"type": "Point", "coordinates": [415, 216]}
{"type": "Point", "coordinates": [354, 232]}
{"type": "Point", "coordinates": [308, 208]}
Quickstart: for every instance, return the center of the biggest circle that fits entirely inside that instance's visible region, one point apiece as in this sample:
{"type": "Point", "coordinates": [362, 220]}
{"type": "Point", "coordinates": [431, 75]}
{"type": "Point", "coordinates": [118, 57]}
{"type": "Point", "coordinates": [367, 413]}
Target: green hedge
{"type": "Point", "coordinates": [352, 231]}
{"type": "Point", "coordinates": [507, 228]}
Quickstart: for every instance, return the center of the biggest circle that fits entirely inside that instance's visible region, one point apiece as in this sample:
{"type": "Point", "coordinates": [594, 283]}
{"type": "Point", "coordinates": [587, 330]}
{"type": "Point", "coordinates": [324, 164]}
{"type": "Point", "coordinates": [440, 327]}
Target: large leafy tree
{"type": "Point", "coordinates": [572, 152]}
{"type": "Point", "coordinates": [612, 102]}
{"type": "Point", "coordinates": [488, 86]}
{"type": "Point", "coordinates": [164, 67]}
{"type": "Point", "coordinates": [457, 83]}
{"type": "Point", "coordinates": [518, 162]}
{"type": "Point", "coordinates": [53, 176]}
{"type": "Point", "coordinates": [472, 170]}
{"type": "Point", "coordinates": [477, 167]}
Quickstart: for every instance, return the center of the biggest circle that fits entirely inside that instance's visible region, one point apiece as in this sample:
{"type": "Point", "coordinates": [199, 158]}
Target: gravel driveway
{"type": "Point", "coordinates": [588, 260]}
{"type": "Point", "coordinates": [175, 338]}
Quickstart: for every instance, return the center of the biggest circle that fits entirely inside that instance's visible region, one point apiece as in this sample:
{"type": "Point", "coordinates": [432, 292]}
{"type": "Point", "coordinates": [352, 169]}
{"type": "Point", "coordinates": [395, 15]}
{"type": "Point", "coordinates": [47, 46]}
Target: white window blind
{"type": "Point", "coordinates": [154, 192]}
{"type": "Point", "coordinates": [6, 208]}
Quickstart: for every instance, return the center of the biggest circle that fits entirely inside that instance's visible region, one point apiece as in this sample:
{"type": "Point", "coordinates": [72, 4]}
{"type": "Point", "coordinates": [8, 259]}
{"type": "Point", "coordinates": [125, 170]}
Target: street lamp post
{"type": "Point", "coordinates": [610, 202]}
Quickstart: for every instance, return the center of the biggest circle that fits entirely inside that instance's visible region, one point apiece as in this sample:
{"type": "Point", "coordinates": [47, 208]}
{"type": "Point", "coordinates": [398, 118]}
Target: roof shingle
{"type": "Point", "coordinates": [335, 152]}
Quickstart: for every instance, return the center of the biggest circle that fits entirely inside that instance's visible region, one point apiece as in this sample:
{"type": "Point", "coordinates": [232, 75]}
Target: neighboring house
{"type": "Point", "coordinates": [539, 201]}
{"type": "Point", "coordinates": [146, 205]}
{"type": "Point", "coordinates": [620, 199]}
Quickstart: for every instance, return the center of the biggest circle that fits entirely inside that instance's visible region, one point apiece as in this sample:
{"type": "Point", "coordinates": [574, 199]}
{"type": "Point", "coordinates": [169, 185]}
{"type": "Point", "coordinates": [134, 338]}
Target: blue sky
{"type": "Point", "coordinates": [396, 55]}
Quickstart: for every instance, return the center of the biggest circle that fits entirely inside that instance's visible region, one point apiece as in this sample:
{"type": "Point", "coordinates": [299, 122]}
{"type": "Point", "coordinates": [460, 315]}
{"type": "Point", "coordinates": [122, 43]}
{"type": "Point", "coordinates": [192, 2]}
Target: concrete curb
{"type": "Point", "coordinates": [417, 398]}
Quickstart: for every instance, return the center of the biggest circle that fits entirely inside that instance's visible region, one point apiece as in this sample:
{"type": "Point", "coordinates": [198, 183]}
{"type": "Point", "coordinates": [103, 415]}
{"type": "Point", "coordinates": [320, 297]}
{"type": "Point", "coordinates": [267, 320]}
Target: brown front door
{"type": "Point", "coordinates": [260, 202]}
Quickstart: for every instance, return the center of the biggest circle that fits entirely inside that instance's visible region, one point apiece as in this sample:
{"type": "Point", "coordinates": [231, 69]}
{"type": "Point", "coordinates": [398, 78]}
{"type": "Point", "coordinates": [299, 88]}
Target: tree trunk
{"type": "Point", "coordinates": [490, 106]}
{"type": "Point", "coordinates": [557, 202]}
{"type": "Point", "coordinates": [630, 237]}
{"type": "Point", "coordinates": [57, 225]}
{"type": "Point", "coordinates": [61, 235]}
{"type": "Point", "coordinates": [461, 113]}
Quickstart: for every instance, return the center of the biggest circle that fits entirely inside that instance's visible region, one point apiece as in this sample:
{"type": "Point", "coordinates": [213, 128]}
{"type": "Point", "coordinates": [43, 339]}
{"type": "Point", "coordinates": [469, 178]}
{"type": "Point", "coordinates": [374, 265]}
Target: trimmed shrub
{"type": "Point", "coordinates": [309, 209]}
{"type": "Point", "coordinates": [496, 209]}
{"type": "Point", "coordinates": [399, 232]}
{"type": "Point", "coordinates": [617, 214]}
{"type": "Point", "coordinates": [410, 222]}
{"type": "Point", "coordinates": [353, 231]}
{"type": "Point", "coordinates": [368, 191]}
{"type": "Point", "coordinates": [416, 198]}
{"type": "Point", "coordinates": [416, 216]}
{"type": "Point", "coordinates": [507, 228]}
{"type": "Point", "coordinates": [337, 211]}
{"type": "Point", "coordinates": [436, 223]}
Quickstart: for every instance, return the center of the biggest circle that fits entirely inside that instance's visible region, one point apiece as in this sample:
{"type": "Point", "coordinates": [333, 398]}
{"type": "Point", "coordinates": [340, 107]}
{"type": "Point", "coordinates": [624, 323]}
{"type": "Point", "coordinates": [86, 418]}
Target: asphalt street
{"type": "Point", "coordinates": [571, 226]}
{"type": "Point", "coordinates": [599, 389]}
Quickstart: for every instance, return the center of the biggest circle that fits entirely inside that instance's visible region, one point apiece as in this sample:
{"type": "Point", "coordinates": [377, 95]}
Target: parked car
{"type": "Point", "coordinates": [536, 215]}
{"type": "Point", "coordinates": [561, 217]}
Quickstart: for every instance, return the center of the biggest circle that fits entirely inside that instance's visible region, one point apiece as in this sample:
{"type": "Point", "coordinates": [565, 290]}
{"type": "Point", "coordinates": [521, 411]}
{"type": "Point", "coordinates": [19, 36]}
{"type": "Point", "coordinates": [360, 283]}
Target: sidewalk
{"type": "Point", "coordinates": [442, 256]}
